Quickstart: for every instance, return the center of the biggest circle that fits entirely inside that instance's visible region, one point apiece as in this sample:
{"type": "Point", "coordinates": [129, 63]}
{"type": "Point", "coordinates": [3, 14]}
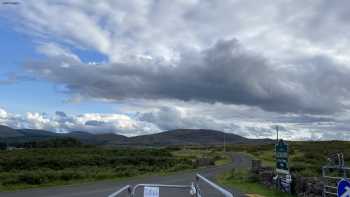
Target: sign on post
{"type": "Point", "coordinates": [151, 192]}
{"type": "Point", "coordinates": [282, 157]}
{"type": "Point", "coordinates": [343, 188]}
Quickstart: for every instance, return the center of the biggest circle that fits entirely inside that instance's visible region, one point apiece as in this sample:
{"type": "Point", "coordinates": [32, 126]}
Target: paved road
{"type": "Point", "coordinates": [104, 188]}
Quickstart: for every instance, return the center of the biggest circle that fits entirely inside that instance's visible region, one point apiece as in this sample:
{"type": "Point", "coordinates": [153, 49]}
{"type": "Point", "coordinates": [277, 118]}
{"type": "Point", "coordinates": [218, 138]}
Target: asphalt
{"type": "Point", "coordinates": [104, 188]}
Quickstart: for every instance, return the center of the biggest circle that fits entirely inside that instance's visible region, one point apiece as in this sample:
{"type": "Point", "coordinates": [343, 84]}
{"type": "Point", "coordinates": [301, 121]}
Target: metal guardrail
{"type": "Point", "coordinates": [330, 181]}
{"type": "Point", "coordinates": [194, 189]}
{"type": "Point", "coordinates": [215, 186]}
{"type": "Point", "coordinates": [124, 189]}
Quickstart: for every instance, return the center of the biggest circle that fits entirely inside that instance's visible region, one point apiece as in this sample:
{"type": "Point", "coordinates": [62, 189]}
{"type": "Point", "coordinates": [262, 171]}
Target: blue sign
{"type": "Point", "coordinates": [343, 188]}
{"type": "Point", "coordinates": [282, 157]}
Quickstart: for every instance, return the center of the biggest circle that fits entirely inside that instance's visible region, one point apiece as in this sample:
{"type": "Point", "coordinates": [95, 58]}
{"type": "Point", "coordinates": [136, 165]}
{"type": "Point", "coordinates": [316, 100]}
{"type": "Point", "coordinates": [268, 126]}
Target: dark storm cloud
{"type": "Point", "coordinates": [61, 114]}
{"type": "Point", "coordinates": [225, 72]}
{"type": "Point", "coordinates": [95, 123]}
{"type": "Point", "coordinates": [302, 119]}
{"type": "Point", "coordinates": [318, 21]}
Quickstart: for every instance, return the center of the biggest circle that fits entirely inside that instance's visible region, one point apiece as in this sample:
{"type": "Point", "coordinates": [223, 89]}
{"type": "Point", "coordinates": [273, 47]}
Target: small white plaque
{"type": "Point", "coordinates": [151, 192]}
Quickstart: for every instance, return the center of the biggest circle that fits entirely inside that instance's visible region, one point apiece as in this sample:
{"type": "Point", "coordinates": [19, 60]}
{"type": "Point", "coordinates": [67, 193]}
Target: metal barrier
{"type": "Point", "coordinates": [124, 189]}
{"type": "Point", "coordinates": [331, 179]}
{"type": "Point", "coordinates": [334, 172]}
{"type": "Point", "coordinates": [193, 188]}
{"type": "Point", "coordinates": [215, 186]}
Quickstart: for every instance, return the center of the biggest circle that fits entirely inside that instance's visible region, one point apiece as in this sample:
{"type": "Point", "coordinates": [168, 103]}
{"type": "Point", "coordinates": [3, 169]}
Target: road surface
{"type": "Point", "coordinates": [104, 188]}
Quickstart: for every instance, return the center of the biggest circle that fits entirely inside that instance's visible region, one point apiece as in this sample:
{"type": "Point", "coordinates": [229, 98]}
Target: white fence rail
{"type": "Point", "coordinates": [193, 188]}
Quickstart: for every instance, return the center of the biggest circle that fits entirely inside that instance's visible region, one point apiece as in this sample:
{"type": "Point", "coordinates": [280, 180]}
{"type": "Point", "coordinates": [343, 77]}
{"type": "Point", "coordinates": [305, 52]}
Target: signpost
{"type": "Point", "coordinates": [343, 188]}
{"type": "Point", "coordinates": [282, 157]}
{"type": "Point", "coordinates": [283, 178]}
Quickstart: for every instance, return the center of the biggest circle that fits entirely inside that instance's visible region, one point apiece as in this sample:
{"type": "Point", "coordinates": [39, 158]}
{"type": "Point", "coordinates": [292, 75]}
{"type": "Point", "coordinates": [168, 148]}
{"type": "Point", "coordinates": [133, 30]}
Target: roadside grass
{"type": "Point", "coordinates": [225, 160]}
{"type": "Point", "coordinates": [17, 187]}
{"type": "Point", "coordinates": [89, 181]}
{"type": "Point", "coordinates": [305, 159]}
{"type": "Point", "coordinates": [48, 170]}
{"type": "Point", "coordinates": [194, 153]}
{"type": "Point", "coordinates": [219, 157]}
{"type": "Point", "coordinates": [242, 181]}
{"type": "Point", "coordinates": [34, 168]}
{"type": "Point", "coordinates": [297, 162]}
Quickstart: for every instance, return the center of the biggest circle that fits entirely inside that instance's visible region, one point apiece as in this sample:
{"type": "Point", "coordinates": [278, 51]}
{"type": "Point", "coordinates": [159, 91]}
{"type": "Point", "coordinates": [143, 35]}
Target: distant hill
{"type": "Point", "coordinates": [188, 137]}
{"type": "Point", "coordinates": [7, 132]}
{"type": "Point", "coordinates": [172, 137]}
{"type": "Point", "coordinates": [37, 133]}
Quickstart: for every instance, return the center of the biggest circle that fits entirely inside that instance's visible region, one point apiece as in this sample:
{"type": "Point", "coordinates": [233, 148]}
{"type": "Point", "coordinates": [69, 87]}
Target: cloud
{"type": "Point", "coordinates": [61, 114]}
{"type": "Point", "coordinates": [277, 65]}
{"type": "Point", "coordinates": [226, 73]}
{"type": "Point", "coordinates": [3, 113]}
{"type": "Point", "coordinates": [286, 62]}
{"type": "Point", "coordinates": [168, 118]}
{"type": "Point", "coordinates": [90, 122]}
{"type": "Point", "coordinates": [134, 28]}
{"type": "Point", "coordinates": [54, 50]}
{"type": "Point", "coordinates": [159, 118]}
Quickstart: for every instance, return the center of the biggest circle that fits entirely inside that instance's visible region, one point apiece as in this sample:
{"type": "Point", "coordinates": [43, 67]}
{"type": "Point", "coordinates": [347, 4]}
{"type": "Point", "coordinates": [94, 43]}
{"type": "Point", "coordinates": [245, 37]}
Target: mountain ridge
{"type": "Point", "coordinates": [165, 138]}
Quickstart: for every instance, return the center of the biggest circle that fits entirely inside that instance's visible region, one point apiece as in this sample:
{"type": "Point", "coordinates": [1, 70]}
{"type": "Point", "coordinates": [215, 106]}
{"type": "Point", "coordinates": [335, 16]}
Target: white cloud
{"type": "Point", "coordinates": [90, 122]}
{"type": "Point", "coordinates": [121, 29]}
{"type": "Point", "coordinates": [292, 61]}
{"type": "Point", "coordinates": [3, 113]}
{"type": "Point", "coordinates": [156, 117]}
{"type": "Point", "coordinates": [54, 50]}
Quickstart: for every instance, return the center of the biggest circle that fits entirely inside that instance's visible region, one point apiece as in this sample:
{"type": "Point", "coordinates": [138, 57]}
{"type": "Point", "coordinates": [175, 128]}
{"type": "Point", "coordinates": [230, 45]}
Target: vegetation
{"type": "Point", "coordinates": [3, 146]}
{"type": "Point", "coordinates": [65, 142]}
{"type": "Point", "coordinates": [305, 158]}
{"type": "Point", "coordinates": [47, 166]}
{"type": "Point", "coordinates": [212, 153]}
{"type": "Point", "coordinates": [247, 183]}
{"type": "Point", "coordinates": [66, 160]}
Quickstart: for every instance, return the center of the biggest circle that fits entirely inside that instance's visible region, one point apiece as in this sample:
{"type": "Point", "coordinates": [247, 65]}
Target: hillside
{"type": "Point", "coordinates": [172, 137]}
{"type": "Point", "coordinates": [7, 132]}
{"type": "Point", "coordinates": [188, 137]}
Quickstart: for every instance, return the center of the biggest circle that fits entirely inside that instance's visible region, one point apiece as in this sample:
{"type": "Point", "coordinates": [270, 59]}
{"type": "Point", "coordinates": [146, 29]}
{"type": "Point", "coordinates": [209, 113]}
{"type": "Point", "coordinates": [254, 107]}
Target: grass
{"type": "Point", "coordinates": [47, 167]}
{"type": "Point", "coordinates": [32, 168]}
{"type": "Point", "coordinates": [194, 153]}
{"type": "Point", "coordinates": [225, 160]}
{"type": "Point", "coordinates": [219, 157]}
{"type": "Point", "coordinates": [86, 181]}
{"type": "Point", "coordinates": [305, 158]}
{"type": "Point", "coordinates": [241, 181]}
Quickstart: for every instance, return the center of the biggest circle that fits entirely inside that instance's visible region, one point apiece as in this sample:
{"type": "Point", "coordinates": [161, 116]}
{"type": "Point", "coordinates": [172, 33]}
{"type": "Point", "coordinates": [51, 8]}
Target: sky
{"type": "Point", "coordinates": [139, 67]}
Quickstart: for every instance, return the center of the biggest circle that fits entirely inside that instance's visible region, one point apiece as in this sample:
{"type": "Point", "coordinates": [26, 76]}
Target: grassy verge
{"type": "Point", "coordinates": [32, 168]}
{"type": "Point", "coordinates": [219, 157]}
{"type": "Point", "coordinates": [22, 186]}
{"type": "Point", "coordinates": [305, 158]}
{"type": "Point", "coordinates": [47, 167]}
{"type": "Point", "coordinates": [225, 160]}
{"type": "Point", "coordinates": [242, 181]}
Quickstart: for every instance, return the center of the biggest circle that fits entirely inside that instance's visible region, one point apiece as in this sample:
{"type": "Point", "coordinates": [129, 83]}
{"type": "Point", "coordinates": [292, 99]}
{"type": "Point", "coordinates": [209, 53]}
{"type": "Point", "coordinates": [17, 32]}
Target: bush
{"type": "Point", "coordinates": [48, 165]}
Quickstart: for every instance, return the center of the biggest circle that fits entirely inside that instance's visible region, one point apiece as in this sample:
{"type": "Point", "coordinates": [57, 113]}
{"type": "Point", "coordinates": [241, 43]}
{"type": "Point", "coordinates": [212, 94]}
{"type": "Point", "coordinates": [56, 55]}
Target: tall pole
{"type": "Point", "coordinates": [224, 142]}
{"type": "Point", "coordinates": [277, 132]}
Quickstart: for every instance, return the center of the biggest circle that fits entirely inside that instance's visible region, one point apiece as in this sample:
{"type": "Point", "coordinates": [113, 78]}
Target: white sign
{"type": "Point", "coordinates": [151, 192]}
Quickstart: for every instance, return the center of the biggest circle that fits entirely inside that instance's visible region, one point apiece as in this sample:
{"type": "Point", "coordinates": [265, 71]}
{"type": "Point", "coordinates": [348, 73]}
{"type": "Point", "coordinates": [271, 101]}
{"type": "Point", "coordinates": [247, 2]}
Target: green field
{"type": "Point", "coordinates": [247, 184]}
{"type": "Point", "coordinates": [44, 166]}
{"type": "Point", "coordinates": [214, 154]}
{"type": "Point", "coordinates": [50, 166]}
{"type": "Point", "coordinates": [305, 158]}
